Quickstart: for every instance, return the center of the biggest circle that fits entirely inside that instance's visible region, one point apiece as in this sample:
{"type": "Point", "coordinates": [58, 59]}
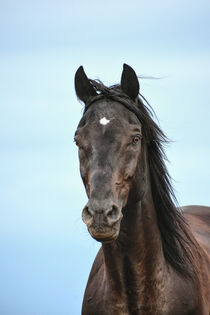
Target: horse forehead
{"type": "Point", "coordinates": [107, 119]}
{"type": "Point", "coordinates": [108, 116]}
{"type": "Point", "coordinates": [110, 110]}
{"type": "Point", "coordinates": [111, 118]}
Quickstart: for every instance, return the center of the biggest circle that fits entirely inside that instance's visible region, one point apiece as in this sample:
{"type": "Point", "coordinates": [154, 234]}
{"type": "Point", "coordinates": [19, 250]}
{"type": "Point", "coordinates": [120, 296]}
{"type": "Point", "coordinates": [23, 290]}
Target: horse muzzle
{"type": "Point", "coordinates": [102, 219]}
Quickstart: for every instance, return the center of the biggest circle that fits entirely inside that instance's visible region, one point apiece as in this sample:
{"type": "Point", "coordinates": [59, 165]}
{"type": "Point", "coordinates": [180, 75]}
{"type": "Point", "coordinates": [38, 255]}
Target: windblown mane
{"type": "Point", "coordinates": [173, 228]}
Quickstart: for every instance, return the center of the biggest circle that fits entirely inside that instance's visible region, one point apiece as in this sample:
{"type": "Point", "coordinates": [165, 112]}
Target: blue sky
{"type": "Point", "coordinates": [45, 251]}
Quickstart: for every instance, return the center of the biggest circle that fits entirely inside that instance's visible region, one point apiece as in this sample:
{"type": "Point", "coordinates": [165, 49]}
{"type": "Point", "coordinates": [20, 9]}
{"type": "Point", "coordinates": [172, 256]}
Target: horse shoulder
{"type": "Point", "coordinates": [198, 218]}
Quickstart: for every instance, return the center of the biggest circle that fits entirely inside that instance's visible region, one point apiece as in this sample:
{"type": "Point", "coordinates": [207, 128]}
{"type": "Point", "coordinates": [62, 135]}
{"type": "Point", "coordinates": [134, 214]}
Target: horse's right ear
{"type": "Point", "coordinates": [129, 82]}
{"type": "Point", "coordinates": [83, 87]}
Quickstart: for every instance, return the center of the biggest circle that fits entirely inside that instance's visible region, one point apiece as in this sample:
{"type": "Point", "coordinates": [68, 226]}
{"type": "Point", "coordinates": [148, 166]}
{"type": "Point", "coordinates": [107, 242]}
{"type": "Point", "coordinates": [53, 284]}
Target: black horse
{"type": "Point", "coordinates": [154, 257]}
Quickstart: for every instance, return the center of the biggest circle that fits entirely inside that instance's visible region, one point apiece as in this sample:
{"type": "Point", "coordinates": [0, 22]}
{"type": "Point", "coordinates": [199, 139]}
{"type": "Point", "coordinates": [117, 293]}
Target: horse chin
{"type": "Point", "coordinates": [105, 237]}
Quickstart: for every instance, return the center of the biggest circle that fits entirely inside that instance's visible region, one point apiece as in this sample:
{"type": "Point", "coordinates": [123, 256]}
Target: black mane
{"type": "Point", "coordinates": [173, 228]}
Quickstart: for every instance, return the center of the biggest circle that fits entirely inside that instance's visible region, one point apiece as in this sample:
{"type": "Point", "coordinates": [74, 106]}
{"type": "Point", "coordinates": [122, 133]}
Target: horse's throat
{"type": "Point", "coordinates": [134, 263]}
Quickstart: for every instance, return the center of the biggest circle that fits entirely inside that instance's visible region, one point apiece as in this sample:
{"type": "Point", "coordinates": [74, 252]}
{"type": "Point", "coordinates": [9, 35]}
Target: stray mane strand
{"type": "Point", "coordinates": [176, 241]}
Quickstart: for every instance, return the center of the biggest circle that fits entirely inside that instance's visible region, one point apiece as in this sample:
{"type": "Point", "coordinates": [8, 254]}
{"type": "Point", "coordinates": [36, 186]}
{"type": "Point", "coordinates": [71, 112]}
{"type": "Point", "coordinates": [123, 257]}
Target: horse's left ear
{"type": "Point", "coordinates": [83, 87]}
{"type": "Point", "coordinates": [129, 82]}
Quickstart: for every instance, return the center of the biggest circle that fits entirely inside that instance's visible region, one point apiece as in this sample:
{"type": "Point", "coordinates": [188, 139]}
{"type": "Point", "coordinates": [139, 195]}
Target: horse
{"type": "Point", "coordinates": [155, 256]}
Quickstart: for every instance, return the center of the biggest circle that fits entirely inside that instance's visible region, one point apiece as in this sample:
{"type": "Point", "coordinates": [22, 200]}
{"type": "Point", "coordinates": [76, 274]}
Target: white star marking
{"type": "Point", "coordinates": [104, 121]}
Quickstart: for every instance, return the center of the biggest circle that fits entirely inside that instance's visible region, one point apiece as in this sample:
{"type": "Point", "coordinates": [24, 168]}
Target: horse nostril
{"type": "Point", "coordinates": [87, 215]}
{"type": "Point", "coordinates": [113, 213]}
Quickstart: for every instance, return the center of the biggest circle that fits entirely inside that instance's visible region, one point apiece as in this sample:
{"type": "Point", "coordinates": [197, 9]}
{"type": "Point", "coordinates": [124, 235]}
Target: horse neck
{"type": "Point", "coordinates": [139, 240]}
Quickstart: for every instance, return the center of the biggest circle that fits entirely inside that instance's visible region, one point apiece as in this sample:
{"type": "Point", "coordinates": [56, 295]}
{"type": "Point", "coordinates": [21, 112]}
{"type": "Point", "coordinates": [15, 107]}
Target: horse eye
{"type": "Point", "coordinates": [136, 139]}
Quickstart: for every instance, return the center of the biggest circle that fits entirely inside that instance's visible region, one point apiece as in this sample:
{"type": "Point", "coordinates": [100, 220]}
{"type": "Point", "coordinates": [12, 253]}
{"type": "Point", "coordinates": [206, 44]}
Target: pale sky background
{"type": "Point", "coordinates": [45, 251]}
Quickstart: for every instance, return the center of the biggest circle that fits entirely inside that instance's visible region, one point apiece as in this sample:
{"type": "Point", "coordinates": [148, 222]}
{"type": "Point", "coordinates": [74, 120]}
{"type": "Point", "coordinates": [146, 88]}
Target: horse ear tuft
{"type": "Point", "coordinates": [129, 82]}
{"type": "Point", "coordinates": [83, 87]}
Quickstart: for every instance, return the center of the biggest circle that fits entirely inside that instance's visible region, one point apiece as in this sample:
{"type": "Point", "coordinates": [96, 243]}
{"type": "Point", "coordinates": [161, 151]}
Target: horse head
{"type": "Point", "coordinates": [109, 138]}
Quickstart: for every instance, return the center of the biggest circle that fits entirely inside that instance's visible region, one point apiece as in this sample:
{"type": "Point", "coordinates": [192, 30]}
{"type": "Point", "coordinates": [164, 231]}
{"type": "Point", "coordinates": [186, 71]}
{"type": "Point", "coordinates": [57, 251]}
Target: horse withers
{"type": "Point", "coordinates": [155, 257]}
